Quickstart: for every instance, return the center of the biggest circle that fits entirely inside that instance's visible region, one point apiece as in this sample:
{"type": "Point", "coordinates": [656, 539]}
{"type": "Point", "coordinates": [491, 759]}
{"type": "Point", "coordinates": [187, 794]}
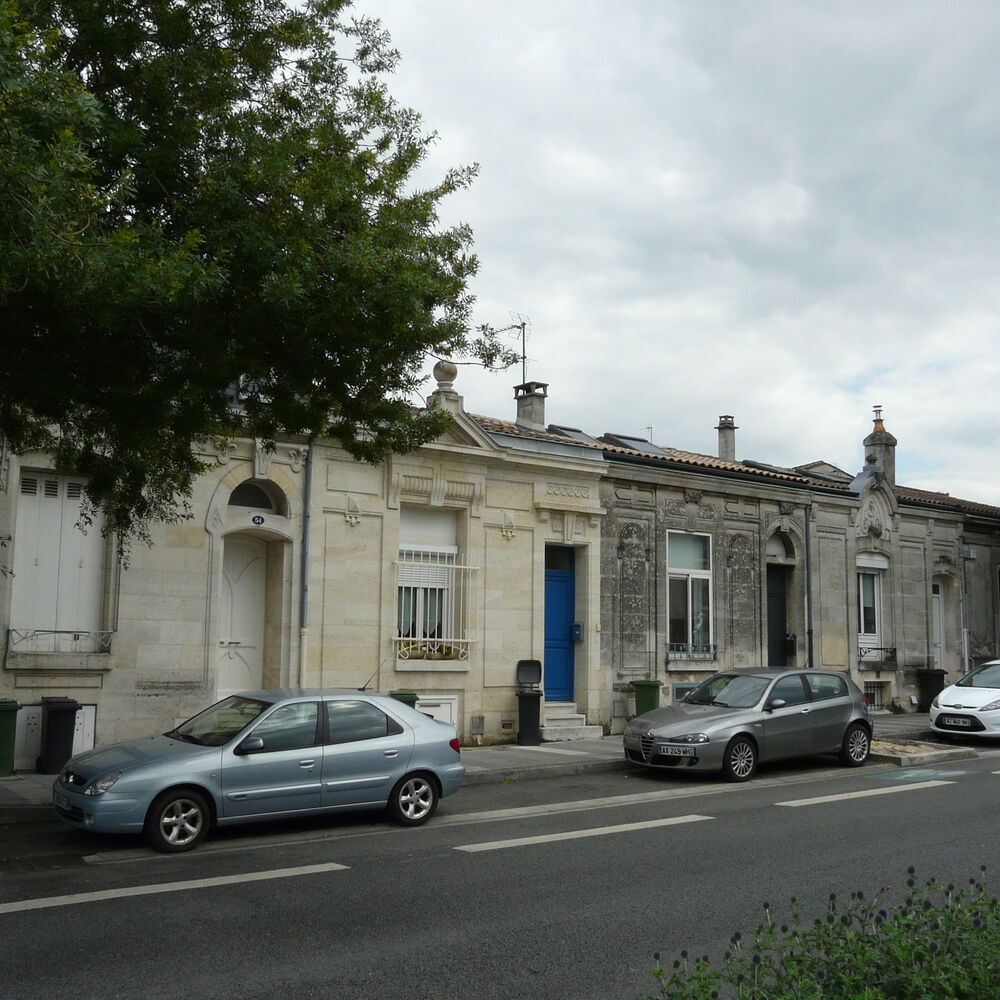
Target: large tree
{"type": "Point", "coordinates": [202, 194]}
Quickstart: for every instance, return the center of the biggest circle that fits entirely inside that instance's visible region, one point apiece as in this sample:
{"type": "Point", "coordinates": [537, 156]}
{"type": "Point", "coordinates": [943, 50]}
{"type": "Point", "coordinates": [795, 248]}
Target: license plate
{"type": "Point", "coordinates": [954, 720]}
{"type": "Point", "coordinates": [677, 751]}
{"type": "Point", "coordinates": [60, 800]}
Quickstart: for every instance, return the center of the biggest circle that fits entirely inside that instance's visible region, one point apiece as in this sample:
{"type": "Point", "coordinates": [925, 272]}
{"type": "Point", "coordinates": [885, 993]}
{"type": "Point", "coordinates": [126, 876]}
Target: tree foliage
{"type": "Point", "coordinates": [203, 194]}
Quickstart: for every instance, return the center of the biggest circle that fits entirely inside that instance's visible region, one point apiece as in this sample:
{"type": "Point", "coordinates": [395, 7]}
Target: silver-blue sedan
{"type": "Point", "coordinates": [262, 755]}
{"type": "Point", "coordinates": [738, 718]}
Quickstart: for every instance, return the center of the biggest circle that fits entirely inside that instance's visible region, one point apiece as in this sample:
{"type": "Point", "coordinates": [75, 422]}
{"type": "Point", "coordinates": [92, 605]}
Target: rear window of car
{"type": "Point", "coordinates": [826, 686]}
{"type": "Point", "coordinates": [350, 721]}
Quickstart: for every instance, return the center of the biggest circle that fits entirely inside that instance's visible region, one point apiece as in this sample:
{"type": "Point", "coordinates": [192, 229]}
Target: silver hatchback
{"type": "Point", "coordinates": [263, 755]}
{"type": "Point", "coordinates": [738, 718]}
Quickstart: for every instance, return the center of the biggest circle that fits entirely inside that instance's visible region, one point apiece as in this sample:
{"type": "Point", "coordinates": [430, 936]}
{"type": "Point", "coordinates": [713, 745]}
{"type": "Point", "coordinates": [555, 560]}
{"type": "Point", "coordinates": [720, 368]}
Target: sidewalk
{"type": "Point", "coordinates": [509, 762]}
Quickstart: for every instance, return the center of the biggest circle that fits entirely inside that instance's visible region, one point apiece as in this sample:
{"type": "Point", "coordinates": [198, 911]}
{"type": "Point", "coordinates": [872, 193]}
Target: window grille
{"type": "Point", "coordinates": [873, 692]}
{"type": "Point", "coordinates": [433, 604]}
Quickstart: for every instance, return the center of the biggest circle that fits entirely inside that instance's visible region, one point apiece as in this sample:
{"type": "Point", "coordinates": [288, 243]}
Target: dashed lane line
{"type": "Point", "coordinates": [152, 890]}
{"type": "Point", "coordinates": [599, 831]}
{"type": "Point", "coordinates": [820, 799]}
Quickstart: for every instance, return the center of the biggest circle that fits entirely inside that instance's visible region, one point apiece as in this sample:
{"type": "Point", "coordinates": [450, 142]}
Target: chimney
{"type": "Point", "coordinates": [880, 449]}
{"type": "Point", "coordinates": [727, 438]}
{"type": "Point", "coordinates": [530, 398]}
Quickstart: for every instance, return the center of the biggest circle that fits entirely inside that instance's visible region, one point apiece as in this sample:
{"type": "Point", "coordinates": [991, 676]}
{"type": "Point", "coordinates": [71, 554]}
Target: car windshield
{"type": "Point", "coordinates": [729, 691]}
{"type": "Point", "coordinates": [986, 676]}
{"type": "Point", "coordinates": [220, 722]}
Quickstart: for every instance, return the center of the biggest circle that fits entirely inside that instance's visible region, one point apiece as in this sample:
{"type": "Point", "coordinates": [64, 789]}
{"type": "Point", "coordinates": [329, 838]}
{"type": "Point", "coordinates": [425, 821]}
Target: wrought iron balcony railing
{"type": "Point", "coordinates": [877, 657]}
{"type": "Point", "coordinates": [691, 651]}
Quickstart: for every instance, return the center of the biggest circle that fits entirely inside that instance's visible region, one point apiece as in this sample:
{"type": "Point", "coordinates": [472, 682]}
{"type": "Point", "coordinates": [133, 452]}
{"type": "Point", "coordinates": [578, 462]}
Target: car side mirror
{"type": "Point", "coordinates": [777, 703]}
{"type": "Point", "coordinates": [252, 744]}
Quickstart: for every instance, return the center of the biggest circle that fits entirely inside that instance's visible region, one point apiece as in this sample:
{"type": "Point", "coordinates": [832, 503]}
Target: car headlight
{"type": "Point", "coordinates": [689, 738]}
{"type": "Point", "coordinates": [934, 703]}
{"type": "Point", "coordinates": [100, 786]}
{"type": "Point", "coordinates": [993, 706]}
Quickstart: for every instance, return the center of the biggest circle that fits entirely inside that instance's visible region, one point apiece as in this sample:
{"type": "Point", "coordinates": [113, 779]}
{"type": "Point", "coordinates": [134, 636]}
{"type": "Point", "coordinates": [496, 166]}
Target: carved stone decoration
{"type": "Point", "coordinates": [676, 509]}
{"type": "Point", "coordinates": [352, 515]}
{"type": "Point", "coordinates": [786, 508]}
{"type": "Point", "coordinates": [225, 449]}
{"type": "Point", "coordinates": [741, 582]}
{"type": "Point", "coordinates": [296, 458]}
{"type": "Point", "coordinates": [507, 529]}
{"type": "Point", "coordinates": [870, 522]}
{"type": "Point", "coordinates": [634, 618]}
{"type": "Point", "coordinates": [261, 460]}
{"type": "Point", "coordinates": [693, 496]}
{"type": "Point", "coordinates": [569, 527]}
{"type": "Point", "coordinates": [567, 490]}
{"type": "Point", "coordinates": [634, 495]}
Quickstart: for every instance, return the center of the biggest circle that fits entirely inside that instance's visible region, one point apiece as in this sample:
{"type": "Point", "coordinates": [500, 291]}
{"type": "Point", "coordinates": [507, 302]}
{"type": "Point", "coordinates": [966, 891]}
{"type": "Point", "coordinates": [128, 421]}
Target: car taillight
{"type": "Point", "coordinates": [455, 745]}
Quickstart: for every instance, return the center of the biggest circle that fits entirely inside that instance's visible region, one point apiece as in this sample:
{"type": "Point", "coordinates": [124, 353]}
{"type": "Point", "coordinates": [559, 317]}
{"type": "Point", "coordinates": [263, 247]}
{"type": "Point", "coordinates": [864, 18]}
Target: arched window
{"type": "Point", "coordinates": [249, 494]}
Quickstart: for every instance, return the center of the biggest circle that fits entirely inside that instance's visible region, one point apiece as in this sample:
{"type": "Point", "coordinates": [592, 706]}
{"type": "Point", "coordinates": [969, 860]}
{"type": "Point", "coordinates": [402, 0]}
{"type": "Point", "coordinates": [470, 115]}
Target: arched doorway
{"type": "Point", "coordinates": [251, 591]}
{"type": "Point", "coordinates": [781, 643]}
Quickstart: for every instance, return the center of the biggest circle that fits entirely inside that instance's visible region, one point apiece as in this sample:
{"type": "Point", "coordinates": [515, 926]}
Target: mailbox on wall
{"type": "Point", "coordinates": [578, 631]}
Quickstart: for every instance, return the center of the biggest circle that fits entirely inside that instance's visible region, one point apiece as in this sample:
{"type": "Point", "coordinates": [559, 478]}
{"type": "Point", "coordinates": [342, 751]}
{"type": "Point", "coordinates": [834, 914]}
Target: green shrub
{"type": "Point", "coordinates": [939, 943]}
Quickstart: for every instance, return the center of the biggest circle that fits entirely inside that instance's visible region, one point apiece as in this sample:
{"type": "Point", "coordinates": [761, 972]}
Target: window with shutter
{"type": "Point", "coordinates": [58, 569]}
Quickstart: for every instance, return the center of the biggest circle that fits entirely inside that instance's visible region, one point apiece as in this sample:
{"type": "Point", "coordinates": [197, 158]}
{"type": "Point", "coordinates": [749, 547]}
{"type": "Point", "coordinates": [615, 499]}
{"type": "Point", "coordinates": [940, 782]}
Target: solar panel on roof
{"type": "Point", "coordinates": [571, 432]}
{"type": "Point", "coordinates": [639, 444]}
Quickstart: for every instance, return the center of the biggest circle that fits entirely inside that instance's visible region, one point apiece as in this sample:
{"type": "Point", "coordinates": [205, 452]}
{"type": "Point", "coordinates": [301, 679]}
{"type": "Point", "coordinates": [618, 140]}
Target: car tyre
{"type": "Point", "coordinates": [740, 760]}
{"type": "Point", "coordinates": [857, 745]}
{"type": "Point", "coordinates": [414, 799]}
{"type": "Point", "coordinates": [177, 821]}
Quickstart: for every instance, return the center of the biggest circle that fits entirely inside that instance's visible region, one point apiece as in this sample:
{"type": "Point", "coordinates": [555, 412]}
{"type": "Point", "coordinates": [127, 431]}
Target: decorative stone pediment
{"type": "Point", "coordinates": [437, 489]}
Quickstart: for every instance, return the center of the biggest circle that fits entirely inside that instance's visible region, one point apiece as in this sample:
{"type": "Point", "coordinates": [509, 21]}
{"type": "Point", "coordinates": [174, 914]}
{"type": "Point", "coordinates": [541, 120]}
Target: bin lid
{"type": "Point", "coordinates": [61, 701]}
{"type": "Point", "coordinates": [9, 705]}
{"type": "Point", "coordinates": [529, 671]}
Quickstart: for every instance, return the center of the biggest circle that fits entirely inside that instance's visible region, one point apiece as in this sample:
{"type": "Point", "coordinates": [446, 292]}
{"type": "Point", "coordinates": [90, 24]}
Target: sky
{"type": "Point", "coordinates": [783, 211]}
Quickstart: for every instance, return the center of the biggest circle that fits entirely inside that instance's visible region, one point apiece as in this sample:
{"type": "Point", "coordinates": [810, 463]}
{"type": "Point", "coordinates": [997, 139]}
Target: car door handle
{"type": "Point", "coordinates": [307, 764]}
{"type": "Point", "coordinates": [805, 711]}
{"type": "Point", "coordinates": [390, 753]}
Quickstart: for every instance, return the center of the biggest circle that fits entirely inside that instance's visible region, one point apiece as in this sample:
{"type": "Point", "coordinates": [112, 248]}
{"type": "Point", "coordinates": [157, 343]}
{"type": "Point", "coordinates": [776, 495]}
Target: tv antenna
{"type": "Point", "coordinates": [522, 325]}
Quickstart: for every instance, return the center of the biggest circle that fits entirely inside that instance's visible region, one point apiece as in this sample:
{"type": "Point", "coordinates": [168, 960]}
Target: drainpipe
{"type": "Point", "coordinates": [304, 584]}
{"type": "Point", "coordinates": [809, 599]}
{"type": "Point", "coordinates": [965, 607]}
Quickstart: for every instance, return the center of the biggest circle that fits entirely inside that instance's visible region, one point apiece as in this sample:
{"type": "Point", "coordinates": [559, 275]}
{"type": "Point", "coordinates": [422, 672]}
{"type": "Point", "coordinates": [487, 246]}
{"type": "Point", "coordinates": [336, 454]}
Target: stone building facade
{"type": "Point", "coordinates": [303, 567]}
{"type": "Point", "coordinates": [711, 563]}
{"type": "Point", "coordinates": [607, 558]}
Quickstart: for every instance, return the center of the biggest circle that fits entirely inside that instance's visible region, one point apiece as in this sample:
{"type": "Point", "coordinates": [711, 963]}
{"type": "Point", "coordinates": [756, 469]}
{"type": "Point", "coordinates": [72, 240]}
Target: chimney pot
{"type": "Point", "coordinates": [530, 398]}
{"type": "Point", "coordinates": [727, 437]}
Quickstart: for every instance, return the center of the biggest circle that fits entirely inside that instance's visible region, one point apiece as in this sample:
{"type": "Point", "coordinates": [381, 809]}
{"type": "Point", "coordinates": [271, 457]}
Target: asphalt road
{"type": "Point", "coordinates": [560, 888]}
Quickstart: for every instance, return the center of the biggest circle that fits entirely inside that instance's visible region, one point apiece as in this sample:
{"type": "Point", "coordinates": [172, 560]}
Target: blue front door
{"type": "Point", "coordinates": [560, 588]}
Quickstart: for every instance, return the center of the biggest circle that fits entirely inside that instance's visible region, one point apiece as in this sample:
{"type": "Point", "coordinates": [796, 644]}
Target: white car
{"type": "Point", "coordinates": [970, 706]}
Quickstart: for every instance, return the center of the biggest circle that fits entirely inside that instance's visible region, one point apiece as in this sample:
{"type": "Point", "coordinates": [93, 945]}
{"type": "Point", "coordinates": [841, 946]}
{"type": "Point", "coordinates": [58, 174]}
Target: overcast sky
{"type": "Point", "coordinates": [786, 211]}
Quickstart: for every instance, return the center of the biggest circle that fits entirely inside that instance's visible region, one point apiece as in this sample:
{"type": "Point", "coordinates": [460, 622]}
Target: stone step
{"type": "Point", "coordinates": [554, 734]}
{"type": "Point", "coordinates": [564, 719]}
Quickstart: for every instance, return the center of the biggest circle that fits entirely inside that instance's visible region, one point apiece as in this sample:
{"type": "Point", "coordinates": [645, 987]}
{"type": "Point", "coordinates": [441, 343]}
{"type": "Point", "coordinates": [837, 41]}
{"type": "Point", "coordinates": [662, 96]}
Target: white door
{"type": "Point", "coordinates": [937, 627]}
{"type": "Point", "coordinates": [241, 615]}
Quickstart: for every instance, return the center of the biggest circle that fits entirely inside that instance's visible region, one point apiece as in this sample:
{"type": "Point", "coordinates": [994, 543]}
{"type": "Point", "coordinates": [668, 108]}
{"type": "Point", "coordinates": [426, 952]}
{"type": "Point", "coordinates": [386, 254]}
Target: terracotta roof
{"type": "Point", "coordinates": [663, 454]}
{"type": "Point", "coordinates": [675, 456]}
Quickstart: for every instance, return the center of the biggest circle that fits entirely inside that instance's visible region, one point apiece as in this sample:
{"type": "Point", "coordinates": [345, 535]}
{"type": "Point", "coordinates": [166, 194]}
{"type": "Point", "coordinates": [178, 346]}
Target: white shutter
{"type": "Point", "coordinates": [81, 562]}
{"type": "Point", "coordinates": [36, 553]}
{"type": "Point", "coordinates": [58, 571]}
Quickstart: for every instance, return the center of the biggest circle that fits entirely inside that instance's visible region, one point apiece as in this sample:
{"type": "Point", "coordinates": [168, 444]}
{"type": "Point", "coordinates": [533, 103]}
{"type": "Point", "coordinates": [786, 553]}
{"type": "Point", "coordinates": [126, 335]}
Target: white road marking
{"type": "Point", "coordinates": [600, 831]}
{"type": "Point", "coordinates": [860, 795]}
{"type": "Point", "coordinates": [152, 890]}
